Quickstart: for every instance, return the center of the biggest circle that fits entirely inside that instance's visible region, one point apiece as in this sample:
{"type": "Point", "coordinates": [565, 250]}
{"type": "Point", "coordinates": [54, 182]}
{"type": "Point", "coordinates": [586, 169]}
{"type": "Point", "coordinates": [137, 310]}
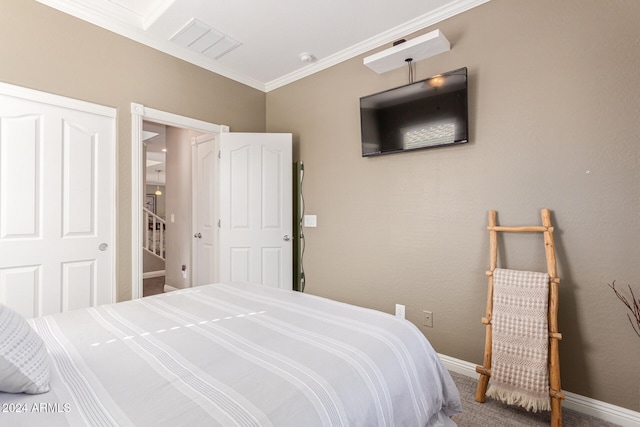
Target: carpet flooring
{"type": "Point", "coordinates": [495, 414]}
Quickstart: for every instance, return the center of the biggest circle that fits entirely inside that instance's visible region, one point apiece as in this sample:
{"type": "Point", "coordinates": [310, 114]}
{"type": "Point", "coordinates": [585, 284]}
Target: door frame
{"type": "Point", "coordinates": [139, 113]}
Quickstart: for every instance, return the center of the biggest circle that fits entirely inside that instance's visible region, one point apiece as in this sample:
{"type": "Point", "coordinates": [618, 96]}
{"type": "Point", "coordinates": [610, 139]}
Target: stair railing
{"type": "Point", "coordinates": [154, 233]}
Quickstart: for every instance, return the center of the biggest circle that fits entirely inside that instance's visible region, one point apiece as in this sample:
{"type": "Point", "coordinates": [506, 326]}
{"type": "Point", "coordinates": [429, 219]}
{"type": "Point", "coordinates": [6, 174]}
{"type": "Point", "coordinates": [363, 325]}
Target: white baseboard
{"type": "Point", "coordinates": [605, 411]}
{"type": "Point", "coordinates": [152, 274]}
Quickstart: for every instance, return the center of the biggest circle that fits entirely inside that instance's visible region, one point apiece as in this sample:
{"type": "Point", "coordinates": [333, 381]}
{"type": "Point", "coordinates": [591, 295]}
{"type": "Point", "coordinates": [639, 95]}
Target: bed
{"type": "Point", "coordinates": [234, 355]}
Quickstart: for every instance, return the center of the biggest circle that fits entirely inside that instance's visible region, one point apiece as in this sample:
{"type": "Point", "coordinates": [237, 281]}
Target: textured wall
{"type": "Point", "coordinates": [554, 122]}
{"type": "Point", "coordinates": [47, 50]}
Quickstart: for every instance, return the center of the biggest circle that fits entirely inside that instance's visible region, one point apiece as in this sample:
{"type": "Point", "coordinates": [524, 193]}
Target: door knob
{"type": "Point", "coordinates": [198, 235]}
{"type": "Point", "coordinates": [103, 247]}
{"type": "Point", "coordinates": [286, 238]}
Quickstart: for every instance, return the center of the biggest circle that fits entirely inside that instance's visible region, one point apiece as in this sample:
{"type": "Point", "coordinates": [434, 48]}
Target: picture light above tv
{"type": "Point", "coordinates": [426, 114]}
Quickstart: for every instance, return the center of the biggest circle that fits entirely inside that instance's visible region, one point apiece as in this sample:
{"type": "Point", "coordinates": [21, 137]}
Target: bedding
{"type": "Point", "coordinates": [235, 355]}
{"type": "Point", "coordinates": [24, 365]}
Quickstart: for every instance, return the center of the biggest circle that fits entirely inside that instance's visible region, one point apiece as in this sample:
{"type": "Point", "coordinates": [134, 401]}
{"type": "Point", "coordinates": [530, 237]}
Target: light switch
{"type": "Point", "coordinates": [310, 221]}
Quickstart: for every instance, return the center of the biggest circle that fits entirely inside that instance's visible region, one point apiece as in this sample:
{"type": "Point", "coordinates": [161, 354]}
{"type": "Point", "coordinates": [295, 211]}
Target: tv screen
{"type": "Point", "coordinates": [425, 114]}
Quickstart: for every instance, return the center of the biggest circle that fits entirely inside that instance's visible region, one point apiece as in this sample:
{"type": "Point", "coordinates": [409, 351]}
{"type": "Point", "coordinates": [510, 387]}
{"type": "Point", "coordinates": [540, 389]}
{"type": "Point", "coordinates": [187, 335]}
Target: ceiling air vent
{"type": "Point", "coordinates": [204, 39]}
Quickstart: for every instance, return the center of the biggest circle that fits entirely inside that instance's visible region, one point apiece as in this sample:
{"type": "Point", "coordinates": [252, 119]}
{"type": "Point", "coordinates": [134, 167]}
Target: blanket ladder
{"type": "Point", "coordinates": [555, 391]}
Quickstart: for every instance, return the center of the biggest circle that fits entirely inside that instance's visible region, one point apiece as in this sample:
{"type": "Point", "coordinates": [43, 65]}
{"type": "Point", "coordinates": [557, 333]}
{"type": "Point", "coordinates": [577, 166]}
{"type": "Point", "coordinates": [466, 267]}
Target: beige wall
{"type": "Point", "coordinates": [554, 122]}
{"type": "Point", "coordinates": [178, 205]}
{"type": "Point", "coordinates": [554, 110]}
{"type": "Point", "coordinates": [47, 50]}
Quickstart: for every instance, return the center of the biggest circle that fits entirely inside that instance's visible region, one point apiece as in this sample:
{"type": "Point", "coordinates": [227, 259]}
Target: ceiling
{"type": "Point", "coordinates": [260, 43]}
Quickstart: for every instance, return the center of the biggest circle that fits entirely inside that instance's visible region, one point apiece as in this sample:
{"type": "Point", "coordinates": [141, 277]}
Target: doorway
{"type": "Point", "coordinates": [178, 223]}
{"type": "Point", "coordinates": [254, 224]}
{"type": "Point", "coordinates": [154, 213]}
{"type": "Point", "coordinates": [180, 172]}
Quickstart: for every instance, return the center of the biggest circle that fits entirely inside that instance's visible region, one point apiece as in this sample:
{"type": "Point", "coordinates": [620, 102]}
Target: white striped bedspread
{"type": "Point", "coordinates": [235, 355]}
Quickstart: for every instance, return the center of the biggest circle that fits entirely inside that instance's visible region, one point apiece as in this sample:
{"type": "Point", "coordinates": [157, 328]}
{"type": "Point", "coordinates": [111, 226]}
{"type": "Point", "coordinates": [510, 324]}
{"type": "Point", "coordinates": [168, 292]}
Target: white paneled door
{"type": "Point", "coordinates": [205, 197]}
{"type": "Point", "coordinates": [57, 202]}
{"type": "Point", "coordinates": [255, 209]}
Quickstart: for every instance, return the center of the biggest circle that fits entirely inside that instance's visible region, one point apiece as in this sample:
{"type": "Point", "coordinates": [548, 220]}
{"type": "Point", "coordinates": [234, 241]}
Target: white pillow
{"type": "Point", "coordinates": [24, 363]}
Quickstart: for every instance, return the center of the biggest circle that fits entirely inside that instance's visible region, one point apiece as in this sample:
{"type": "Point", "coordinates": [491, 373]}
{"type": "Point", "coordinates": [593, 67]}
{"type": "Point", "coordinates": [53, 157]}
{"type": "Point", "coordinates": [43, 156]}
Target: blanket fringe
{"type": "Point", "coordinates": [510, 397]}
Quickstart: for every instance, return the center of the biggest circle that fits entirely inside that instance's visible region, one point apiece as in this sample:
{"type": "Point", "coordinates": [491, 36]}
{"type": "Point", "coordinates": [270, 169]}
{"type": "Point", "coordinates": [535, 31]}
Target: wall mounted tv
{"type": "Point", "coordinates": [429, 113]}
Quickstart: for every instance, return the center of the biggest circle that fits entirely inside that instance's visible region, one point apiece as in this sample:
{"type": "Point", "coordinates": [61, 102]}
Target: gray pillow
{"type": "Point", "coordinates": [24, 362]}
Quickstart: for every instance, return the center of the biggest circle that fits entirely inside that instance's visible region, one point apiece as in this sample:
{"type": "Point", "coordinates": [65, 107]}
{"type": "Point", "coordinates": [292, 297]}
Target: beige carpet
{"type": "Point", "coordinates": [495, 414]}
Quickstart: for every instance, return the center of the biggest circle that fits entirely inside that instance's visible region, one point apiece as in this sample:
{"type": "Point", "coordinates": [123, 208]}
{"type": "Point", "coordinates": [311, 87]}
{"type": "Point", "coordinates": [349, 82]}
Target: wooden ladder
{"type": "Point", "coordinates": [554, 336]}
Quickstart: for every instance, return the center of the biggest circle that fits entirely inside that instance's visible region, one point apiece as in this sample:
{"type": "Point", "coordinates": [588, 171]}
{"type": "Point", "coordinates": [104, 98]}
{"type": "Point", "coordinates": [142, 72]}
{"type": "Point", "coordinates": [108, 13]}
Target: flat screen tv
{"type": "Point", "coordinates": [429, 113]}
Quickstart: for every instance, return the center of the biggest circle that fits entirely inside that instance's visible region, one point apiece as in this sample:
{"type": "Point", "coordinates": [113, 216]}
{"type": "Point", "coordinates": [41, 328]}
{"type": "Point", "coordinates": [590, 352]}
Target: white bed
{"type": "Point", "coordinates": [226, 355]}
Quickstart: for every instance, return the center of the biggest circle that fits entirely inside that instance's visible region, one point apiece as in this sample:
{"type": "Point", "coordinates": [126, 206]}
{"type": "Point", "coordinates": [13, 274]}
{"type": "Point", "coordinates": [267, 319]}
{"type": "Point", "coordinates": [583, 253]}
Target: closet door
{"type": "Point", "coordinates": [57, 202]}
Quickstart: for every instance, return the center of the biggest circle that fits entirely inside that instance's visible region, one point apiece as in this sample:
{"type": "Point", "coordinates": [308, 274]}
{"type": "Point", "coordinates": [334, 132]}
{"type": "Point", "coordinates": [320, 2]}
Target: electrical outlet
{"type": "Point", "coordinates": [427, 320]}
{"type": "Point", "coordinates": [400, 311]}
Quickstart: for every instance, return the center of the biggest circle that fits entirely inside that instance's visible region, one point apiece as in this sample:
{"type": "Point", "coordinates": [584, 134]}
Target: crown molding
{"type": "Point", "coordinates": [97, 14]}
{"type": "Point", "coordinates": [132, 26]}
{"type": "Point", "coordinates": [389, 36]}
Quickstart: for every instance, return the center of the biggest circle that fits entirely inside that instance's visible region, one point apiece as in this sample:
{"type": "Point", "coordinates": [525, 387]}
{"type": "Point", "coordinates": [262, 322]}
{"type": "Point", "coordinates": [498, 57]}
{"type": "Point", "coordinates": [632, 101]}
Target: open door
{"type": "Point", "coordinates": [256, 209]}
{"type": "Point", "coordinates": [205, 196]}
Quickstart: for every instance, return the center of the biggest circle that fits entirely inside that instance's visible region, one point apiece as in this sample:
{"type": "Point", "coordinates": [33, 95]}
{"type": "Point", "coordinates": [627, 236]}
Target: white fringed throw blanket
{"type": "Point", "coordinates": [519, 363]}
